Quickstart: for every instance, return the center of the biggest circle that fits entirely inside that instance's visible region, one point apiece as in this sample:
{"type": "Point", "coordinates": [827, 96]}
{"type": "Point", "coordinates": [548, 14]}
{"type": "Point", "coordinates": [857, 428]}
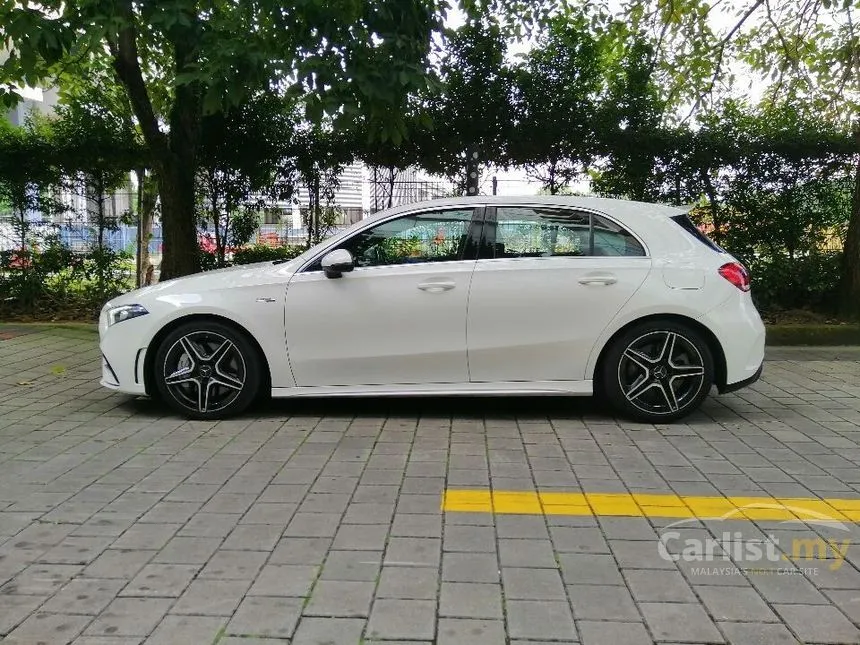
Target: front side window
{"type": "Point", "coordinates": [438, 236]}
{"type": "Point", "coordinates": [535, 232]}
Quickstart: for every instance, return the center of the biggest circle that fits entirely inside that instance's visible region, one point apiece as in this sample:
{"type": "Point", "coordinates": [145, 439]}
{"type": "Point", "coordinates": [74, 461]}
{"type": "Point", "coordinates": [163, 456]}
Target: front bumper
{"type": "Point", "coordinates": [122, 355]}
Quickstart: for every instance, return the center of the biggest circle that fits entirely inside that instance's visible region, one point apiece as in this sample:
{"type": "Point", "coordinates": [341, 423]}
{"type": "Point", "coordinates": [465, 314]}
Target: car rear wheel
{"type": "Point", "coordinates": [207, 370]}
{"type": "Point", "coordinates": [657, 372]}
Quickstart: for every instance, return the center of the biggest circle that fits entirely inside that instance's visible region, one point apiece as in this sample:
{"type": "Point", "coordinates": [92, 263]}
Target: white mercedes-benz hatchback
{"type": "Point", "coordinates": [474, 296]}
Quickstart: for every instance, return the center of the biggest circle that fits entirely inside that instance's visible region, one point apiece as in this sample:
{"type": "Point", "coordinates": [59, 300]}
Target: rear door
{"type": "Point", "coordinates": [547, 282]}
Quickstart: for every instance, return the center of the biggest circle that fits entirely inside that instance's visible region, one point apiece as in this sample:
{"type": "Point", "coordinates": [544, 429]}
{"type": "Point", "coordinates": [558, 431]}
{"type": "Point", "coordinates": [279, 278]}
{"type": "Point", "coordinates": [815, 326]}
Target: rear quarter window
{"type": "Point", "coordinates": [687, 224]}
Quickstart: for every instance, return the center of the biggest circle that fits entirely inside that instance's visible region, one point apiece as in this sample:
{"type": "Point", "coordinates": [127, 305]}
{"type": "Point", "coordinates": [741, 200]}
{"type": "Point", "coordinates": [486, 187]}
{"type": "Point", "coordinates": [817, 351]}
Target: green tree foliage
{"type": "Point", "coordinates": [557, 96]}
{"type": "Point", "coordinates": [244, 159]}
{"type": "Point", "coordinates": [474, 109]}
{"type": "Point", "coordinates": [178, 60]}
{"type": "Point", "coordinates": [806, 51]}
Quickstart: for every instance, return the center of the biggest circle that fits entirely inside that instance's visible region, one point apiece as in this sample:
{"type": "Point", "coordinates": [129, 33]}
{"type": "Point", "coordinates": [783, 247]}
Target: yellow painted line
{"type": "Point", "coordinates": [650, 505]}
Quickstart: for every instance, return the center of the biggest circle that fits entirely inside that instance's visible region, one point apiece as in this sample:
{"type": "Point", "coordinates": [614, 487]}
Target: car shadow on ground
{"type": "Point", "coordinates": [424, 406]}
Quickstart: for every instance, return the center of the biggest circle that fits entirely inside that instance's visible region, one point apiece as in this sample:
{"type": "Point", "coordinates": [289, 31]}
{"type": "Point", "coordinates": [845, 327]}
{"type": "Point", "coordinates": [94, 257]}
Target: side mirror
{"type": "Point", "coordinates": [337, 262]}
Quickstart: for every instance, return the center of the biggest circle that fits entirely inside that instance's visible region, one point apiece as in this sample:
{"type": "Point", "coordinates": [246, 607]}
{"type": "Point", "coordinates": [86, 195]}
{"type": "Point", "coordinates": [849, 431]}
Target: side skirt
{"type": "Point", "coordinates": [507, 388]}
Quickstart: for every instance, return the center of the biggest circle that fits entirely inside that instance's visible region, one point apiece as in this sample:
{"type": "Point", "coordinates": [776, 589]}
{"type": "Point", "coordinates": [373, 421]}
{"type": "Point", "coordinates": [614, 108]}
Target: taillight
{"type": "Point", "coordinates": [737, 274]}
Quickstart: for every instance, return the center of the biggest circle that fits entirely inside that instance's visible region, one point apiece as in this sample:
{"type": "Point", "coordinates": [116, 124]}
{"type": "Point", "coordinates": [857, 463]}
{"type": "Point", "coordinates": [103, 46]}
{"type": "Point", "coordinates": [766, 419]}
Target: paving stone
{"type": "Point", "coordinates": [303, 551]}
{"type": "Point", "coordinates": [351, 565]}
{"type": "Point", "coordinates": [470, 567]}
{"type": "Point", "coordinates": [284, 580]}
{"type": "Point", "coordinates": [658, 586]}
{"type": "Point", "coordinates": [234, 565]}
{"type": "Point", "coordinates": [602, 602]}
{"type": "Point", "coordinates": [818, 624]}
{"type": "Point", "coordinates": [253, 537]}
{"type": "Point", "coordinates": [129, 617]}
{"type": "Point", "coordinates": [609, 633]}
{"type": "Point", "coordinates": [361, 537]}
{"type": "Point", "coordinates": [329, 631]}
{"type": "Point", "coordinates": [187, 629]}
{"type": "Point", "coordinates": [470, 600]}
{"type": "Point", "coordinates": [456, 631]}
{"type": "Point", "coordinates": [527, 553]}
{"type": "Point", "coordinates": [410, 619]}
{"type": "Point", "coordinates": [735, 604]}
{"type": "Point", "coordinates": [470, 539]}
{"type": "Point", "coordinates": [341, 599]}
{"type": "Point", "coordinates": [188, 550]}
{"type": "Point", "coordinates": [161, 580]}
{"type": "Point", "coordinates": [83, 596]}
{"type": "Point", "coordinates": [581, 568]}
{"type": "Point", "coordinates": [540, 619]}
{"type": "Point", "coordinates": [413, 551]}
{"type": "Point", "coordinates": [758, 633]}
{"type": "Point", "coordinates": [118, 563]}
{"type": "Point", "coordinates": [50, 628]}
{"type": "Point", "coordinates": [680, 622]}
{"type": "Point", "coordinates": [41, 579]}
{"type": "Point", "coordinates": [532, 584]}
{"type": "Point", "coordinates": [264, 616]}
{"type": "Point", "coordinates": [567, 539]}
{"type": "Point", "coordinates": [413, 583]}
{"type": "Point", "coordinates": [211, 597]}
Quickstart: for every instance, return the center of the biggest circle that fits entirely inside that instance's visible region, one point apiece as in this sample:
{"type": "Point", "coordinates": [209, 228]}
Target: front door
{"type": "Point", "coordinates": [398, 318]}
{"type": "Point", "coordinates": [548, 282]}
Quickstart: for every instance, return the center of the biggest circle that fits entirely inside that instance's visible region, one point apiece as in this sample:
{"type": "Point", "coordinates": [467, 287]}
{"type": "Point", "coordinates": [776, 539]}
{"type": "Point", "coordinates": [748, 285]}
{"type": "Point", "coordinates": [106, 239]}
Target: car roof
{"type": "Point", "coordinates": [622, 209]}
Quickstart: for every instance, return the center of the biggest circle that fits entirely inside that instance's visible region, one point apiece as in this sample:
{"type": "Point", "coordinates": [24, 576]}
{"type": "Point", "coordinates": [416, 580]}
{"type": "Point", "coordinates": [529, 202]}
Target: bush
{"type": "Point", "coordinates": [808, 282]}
{"type": "Point", "coordinates": [53, 282]}
{"type": "Point", "coordinates": [265, 253]}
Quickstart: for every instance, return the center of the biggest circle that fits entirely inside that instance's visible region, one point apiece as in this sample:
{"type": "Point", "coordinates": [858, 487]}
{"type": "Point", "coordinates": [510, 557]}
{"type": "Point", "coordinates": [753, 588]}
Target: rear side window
{"type": "Point", "coordinates": [535, 232]}
{"type": "Point", "coordinates": [687, 224]}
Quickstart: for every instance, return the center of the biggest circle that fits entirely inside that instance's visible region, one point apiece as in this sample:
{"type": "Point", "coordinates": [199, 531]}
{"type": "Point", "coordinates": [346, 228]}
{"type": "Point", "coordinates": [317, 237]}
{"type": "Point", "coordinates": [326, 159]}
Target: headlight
{"type": "Point", "coordinates": [124, 312]}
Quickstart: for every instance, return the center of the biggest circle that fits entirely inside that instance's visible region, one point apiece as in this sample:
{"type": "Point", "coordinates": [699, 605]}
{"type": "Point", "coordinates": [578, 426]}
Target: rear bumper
{"type": "Point", "coordinates": [739, 385]}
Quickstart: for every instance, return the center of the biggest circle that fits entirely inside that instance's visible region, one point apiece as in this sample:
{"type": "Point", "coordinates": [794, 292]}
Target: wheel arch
{"type": "Point", "coordinates": [709, 337]}
{"type": "Point", "coordinates": [161, 334]}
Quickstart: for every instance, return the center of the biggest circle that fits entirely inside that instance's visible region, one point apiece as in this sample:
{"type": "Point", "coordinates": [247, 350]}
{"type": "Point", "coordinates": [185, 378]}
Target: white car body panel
{"type": "Point", "coordinates": [508, 326]}
{"type": "Point", "coordinates": [546, 333]}
{"type": "Point", "coordinates": [411, 321]}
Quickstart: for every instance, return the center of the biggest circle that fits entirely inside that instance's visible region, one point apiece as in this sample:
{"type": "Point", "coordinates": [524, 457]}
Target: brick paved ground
{"type": "Point", "coordinates": [319, 522]}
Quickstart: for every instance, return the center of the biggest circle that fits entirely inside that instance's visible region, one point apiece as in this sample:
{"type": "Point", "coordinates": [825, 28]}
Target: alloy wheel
{"type": "Point", "coordinates": [661, 372]}
{"type": "Point", "coordinates": [204, 371]}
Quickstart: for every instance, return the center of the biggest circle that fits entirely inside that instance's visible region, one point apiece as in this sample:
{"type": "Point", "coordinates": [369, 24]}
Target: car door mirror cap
{"type": "Point", "coordinates": [337, 262]}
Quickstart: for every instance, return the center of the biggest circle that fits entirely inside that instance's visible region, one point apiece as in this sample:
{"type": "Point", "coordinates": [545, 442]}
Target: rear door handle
{"type": "Point", "coordinates": [598, 279]}
{"type": "Point", "coordinates": [437, 286]}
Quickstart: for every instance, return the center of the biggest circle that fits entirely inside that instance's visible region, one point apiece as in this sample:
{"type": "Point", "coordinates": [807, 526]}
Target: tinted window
{"type": "Point", "coordinates": [423, 237]}
{"type": "Point", "coordinates": [540, 232]}
{"type": "Point", "coordinates": [612, 239]}
{"type": "Point", "coordinates": [549, 232]}
{"type": "Point", "coordinates": [686, 223]}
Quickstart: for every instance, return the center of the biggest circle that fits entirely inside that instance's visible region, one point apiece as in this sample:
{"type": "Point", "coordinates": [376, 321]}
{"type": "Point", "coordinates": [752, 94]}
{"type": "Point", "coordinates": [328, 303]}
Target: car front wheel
{"type": "Point", "coordinates": [207, 370]}
{"type": "Point", "coordinates": [657, 372]}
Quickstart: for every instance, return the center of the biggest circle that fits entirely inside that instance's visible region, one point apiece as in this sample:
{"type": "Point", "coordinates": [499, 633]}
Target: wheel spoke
{"type": "Point", "coordinates": [227, 381]}
{"type": "Point", "coordinates": [182, 375]}
{"type": "Point", "coordinates": [639, 358]}
{"type": "Point", "coordinates": [192, 351]}
{"type": "Point", "coordinates": [686, 371]}
{"type": "Point", "coordinates": [668, 347]}
{"type": "Point", "coordinates": [669, 395]}
{"type": "Point", "coordinates": [219, 354]}
{"type": "Point", "coordinates": [203, 395]}
{"type": "Point", "coordinates": [638, 389]}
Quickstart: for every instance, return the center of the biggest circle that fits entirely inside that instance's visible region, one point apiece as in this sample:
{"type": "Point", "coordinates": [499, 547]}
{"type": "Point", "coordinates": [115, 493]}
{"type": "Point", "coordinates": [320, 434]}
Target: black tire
{"type": "Point", "coordinates": [214, 370]}
{"type": "Point", "coordinates": [656, 372]}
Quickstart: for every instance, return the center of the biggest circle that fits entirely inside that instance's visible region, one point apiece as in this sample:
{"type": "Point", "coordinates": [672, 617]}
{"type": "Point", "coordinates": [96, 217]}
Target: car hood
{"type": "Point", "coordinates": [235, 276]}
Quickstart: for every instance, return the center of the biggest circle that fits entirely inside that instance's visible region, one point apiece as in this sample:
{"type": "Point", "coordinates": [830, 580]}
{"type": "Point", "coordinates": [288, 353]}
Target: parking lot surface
{"type": "Point", "coordinates": [449, 521]}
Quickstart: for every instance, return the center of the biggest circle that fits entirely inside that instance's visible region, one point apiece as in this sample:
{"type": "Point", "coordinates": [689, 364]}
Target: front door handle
{"type": "Point", "coordinates": [598, 279]}
{"type": "Point", "coordinates": [437, 286]}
